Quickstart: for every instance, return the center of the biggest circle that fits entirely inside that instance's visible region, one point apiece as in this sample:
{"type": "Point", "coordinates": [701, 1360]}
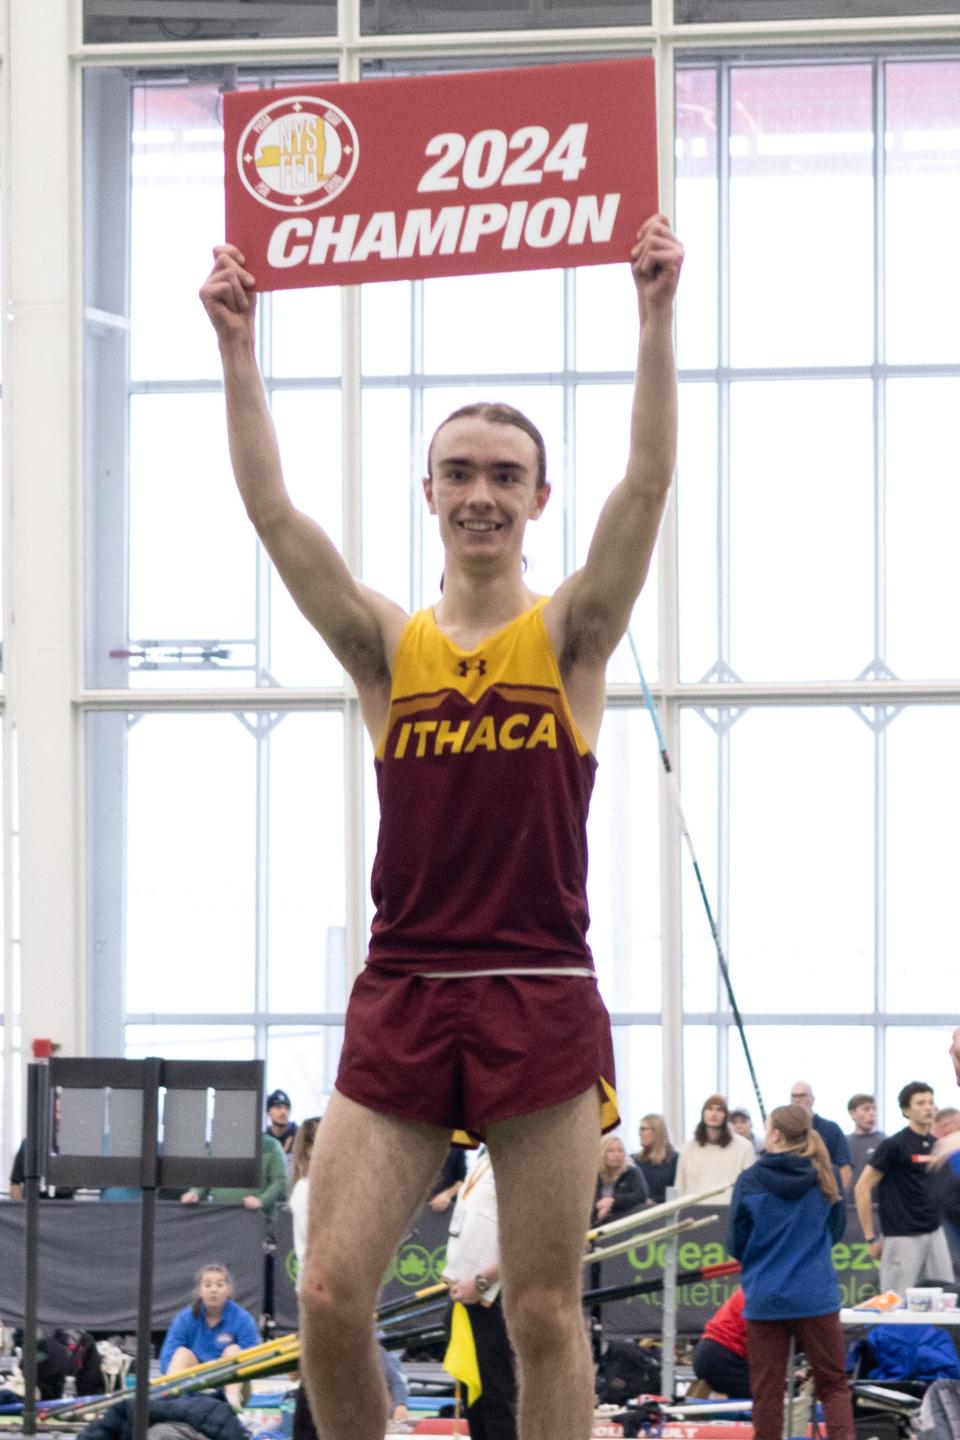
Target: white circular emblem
{"type": "Point", "coordinates": [297, 153]}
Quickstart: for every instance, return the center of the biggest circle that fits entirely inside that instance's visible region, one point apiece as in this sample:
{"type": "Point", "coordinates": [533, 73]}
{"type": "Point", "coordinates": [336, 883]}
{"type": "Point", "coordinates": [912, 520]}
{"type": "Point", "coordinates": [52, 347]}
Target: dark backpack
{"type": "Point", "coordinates": [626, 1371]}
{"type": "Point", "coordinates": [66, 1352]}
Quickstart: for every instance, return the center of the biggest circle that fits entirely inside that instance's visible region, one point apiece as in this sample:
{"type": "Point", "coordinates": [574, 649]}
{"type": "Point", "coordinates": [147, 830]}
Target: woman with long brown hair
{"type": "Point", "coordinates": [785, 1216]}
{"type": "Point", "coordinates": [715, 1155]}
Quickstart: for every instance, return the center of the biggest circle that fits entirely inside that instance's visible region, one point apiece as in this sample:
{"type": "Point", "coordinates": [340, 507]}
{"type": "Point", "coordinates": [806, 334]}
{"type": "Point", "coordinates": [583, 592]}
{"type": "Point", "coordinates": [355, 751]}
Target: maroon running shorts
{"type": "Point", "coordinates": [465, 1053]}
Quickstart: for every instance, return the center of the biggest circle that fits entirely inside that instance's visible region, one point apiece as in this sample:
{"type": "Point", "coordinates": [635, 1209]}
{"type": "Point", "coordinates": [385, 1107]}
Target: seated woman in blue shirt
{"type": "Point", "coordinates": [214, 1327]}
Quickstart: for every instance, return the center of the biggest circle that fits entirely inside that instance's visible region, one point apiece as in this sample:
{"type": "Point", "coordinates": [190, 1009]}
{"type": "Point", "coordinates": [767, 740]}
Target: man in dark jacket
{"type": "Point", "coordinates": [801, 1093]}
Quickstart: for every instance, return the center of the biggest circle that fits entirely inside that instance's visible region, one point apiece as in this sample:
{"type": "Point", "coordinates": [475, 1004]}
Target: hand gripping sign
{"type": "Point", "coordinates": [441, 175]}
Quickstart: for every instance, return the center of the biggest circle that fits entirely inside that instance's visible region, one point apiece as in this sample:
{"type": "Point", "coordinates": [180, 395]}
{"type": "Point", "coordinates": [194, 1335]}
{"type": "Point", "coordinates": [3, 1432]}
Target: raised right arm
{"type": "Point", "coordinates": [359, 625]}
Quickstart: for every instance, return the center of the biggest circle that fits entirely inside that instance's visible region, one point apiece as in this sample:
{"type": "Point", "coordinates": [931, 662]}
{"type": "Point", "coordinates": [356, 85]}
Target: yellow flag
{"type": "Point", "coordinates": [460, 1360]}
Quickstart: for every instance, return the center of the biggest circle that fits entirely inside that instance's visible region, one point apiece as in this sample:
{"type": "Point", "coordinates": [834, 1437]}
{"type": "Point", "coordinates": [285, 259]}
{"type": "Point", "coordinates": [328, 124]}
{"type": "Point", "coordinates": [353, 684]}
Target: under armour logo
{"type": "Point", "coordinates": [464, 666]}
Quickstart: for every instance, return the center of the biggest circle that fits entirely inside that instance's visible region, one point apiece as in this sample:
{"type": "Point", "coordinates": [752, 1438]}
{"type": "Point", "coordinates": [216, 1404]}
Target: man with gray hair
{"type": "Point", "coordinates": [801, 1093]}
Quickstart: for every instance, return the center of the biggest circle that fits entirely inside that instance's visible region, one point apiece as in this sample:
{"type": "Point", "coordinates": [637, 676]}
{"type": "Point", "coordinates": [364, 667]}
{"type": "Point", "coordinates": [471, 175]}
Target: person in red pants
{"type": "Point", "coordinates": [785, 1215]}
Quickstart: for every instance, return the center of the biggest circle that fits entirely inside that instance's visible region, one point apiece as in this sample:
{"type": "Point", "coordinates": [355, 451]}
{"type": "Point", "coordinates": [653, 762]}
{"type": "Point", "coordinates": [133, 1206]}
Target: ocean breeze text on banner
{"type": "Point", "coordinates": [441, 175]}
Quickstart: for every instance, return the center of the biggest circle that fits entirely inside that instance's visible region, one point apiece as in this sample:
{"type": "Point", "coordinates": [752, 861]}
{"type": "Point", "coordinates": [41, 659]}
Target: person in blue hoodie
{"type": "Point", "coordinates": [785, 1215]}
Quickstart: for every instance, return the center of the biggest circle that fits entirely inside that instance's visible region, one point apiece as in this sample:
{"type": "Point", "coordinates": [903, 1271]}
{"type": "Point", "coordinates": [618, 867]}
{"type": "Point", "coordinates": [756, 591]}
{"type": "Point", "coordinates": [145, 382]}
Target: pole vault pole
{"type": "Point", "coordinates": [675, 792]}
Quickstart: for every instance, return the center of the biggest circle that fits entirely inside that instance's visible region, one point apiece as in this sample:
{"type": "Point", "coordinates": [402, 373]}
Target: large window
{"type": "Point", "coordinates": [234, 895]}
{"type": "Point", "coordinates": [796, 627]}
{"type": "Point", "coordinates": [813, 500]}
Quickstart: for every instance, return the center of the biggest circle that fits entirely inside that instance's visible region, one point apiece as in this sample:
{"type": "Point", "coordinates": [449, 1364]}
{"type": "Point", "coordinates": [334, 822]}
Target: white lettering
{"type": "Point", "coordinates": [481, 220]}
{"type": "Point", "coordinates": [588, 214]}
{"type": "Point", "coordinates": [281, 254]}
{"type": "Point", "coordinates": [547, 223]}
{"type": "Point", "coordinates": [326, 234]}
{"type": "Point", "coordinates": [450, 147]}
{"type": "Point", "coordinates": [514, 227]}
{"type": "Point", "coordinates": [484, 160]}
{"type": "Point", "coordinates": [420, 237]}
{"type": "Point", "coordinates": [453, 230]}
{"type": "Point", "coordinates": [379, 237]}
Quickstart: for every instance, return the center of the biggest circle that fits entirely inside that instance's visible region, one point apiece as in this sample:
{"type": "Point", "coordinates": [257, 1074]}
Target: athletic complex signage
{"type": "Point", "coordinates": [461, 174]}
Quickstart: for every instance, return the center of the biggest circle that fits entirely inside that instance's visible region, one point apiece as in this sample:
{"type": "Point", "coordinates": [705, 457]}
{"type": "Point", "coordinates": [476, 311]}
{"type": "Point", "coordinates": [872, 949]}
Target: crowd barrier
{"type": "Point", "coordinates": [89, 1255]}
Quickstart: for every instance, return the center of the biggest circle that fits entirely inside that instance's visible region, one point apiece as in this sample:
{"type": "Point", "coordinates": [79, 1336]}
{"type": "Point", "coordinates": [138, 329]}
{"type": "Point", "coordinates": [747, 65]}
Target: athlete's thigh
{"type": "Point", "coordinates": [545, 1166]}
{"type": "Point", "coordinates": [369, 1173]}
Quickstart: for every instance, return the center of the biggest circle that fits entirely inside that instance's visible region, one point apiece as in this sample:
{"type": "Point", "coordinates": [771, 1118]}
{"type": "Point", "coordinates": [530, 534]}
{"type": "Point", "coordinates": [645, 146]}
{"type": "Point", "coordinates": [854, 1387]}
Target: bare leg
{"type": "Point", "coordinates": [181, 1359]}
{"type": "Point", "coordinates": [368, 1176]}
{"type": "Point", "coordinates": [238, 1394]}
{"type": "Point", "coordinates": [546, 1169]}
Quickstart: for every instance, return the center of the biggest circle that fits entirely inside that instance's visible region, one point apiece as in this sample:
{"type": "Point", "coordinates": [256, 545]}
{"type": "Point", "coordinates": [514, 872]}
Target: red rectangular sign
{"type": "Point", "coordinates": [441, 175]}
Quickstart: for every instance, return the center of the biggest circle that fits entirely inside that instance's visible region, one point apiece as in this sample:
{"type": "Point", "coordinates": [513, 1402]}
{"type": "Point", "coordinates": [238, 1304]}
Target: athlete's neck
{"type": "Point", "coordinates": [473, 607]}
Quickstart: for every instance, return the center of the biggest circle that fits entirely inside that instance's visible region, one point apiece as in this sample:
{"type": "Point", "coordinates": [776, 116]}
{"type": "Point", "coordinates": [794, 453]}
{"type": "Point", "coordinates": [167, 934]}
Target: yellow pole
{"type": "Point", "coordinates": [267, 1347]}
{"type": "Point", "coordinates": [398, 1305]}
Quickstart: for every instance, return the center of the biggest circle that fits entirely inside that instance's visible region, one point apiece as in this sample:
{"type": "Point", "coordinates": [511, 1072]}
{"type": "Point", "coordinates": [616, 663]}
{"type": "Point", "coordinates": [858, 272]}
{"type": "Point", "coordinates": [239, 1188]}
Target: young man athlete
{"type": "Point", "coordinates": [478, 1008]}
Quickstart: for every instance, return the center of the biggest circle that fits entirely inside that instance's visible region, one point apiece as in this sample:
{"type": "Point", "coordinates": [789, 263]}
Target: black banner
{"type": "Point", "coordinates": [90, 1254]}
{"type": "Point", "coordinates": [420, 1261]}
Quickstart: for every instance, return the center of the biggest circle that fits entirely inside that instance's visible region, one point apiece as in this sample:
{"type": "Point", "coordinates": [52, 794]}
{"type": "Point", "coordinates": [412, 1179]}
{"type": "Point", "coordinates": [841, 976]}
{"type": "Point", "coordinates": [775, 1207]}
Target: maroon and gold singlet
{"type": "Point", "coordinates": [484, 784]}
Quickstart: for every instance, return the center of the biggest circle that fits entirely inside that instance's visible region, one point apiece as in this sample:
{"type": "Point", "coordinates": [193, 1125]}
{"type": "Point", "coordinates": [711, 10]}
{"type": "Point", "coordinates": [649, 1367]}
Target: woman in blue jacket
{"type": "Point", "coordinates": [214, 1327]}
{"type": "Point", "coordinates": [785, 1216]}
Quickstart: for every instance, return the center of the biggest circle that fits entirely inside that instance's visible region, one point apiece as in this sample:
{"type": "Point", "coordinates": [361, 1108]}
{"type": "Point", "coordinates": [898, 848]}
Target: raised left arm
{"type": "Point", "coordinates": [600, 597]}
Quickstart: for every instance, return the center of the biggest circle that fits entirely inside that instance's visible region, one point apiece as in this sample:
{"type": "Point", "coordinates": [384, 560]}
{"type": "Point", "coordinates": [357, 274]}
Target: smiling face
{"type": "Point", "coordinates": [483, 489]}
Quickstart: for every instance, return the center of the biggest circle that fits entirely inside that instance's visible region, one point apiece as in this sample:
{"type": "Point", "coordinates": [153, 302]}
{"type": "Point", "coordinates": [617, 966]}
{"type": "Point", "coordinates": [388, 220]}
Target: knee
{"type": "Point", "coordinates": [181, 1359]}
{"type": "Point", "coordinates": [542, 1319]}
{"type": "Point", "coordinates": [336, 1301]}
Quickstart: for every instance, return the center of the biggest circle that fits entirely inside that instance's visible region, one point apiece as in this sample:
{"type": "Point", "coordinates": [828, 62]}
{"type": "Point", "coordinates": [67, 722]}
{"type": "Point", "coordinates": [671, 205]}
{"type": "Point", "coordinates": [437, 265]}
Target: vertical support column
{"type": "Point", "coordinates": [671, 926]}
{"type": "Point", "coordinates": [34, 1156]}
{"type": "Point", "coordinates": [669, 1335]}
{"type": "Point", "coordinates": [152, 1075]}
{"type": "Point", "coordinates": [352, 546]}
{"type": "Point", "coordinates": [41, 594]}
{"type": "Point", "coordinates": [106, 179]}
{"type": "Point", "coordinates": [351, 422]}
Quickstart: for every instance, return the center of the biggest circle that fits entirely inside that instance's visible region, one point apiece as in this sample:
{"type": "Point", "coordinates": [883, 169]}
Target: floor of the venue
{"type": "Point", "coordinates": [268, 1414]}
